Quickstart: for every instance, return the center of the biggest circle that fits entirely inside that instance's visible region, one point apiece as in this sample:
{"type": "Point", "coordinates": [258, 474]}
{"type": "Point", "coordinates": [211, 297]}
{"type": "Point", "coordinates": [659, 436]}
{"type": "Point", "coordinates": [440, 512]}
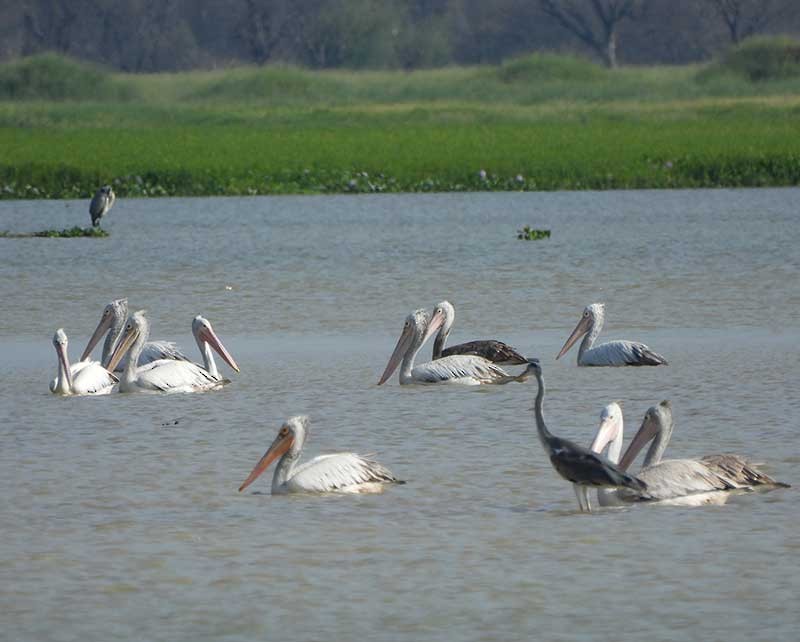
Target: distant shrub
{"type": "Point", "coordinates": [760, 59]}
{"type": "Point", "coordinates": [550, 67]}
{"type": "Point", "coordinates": [53, 77]}
{"type": "Point", "coordinates": [265, 83]}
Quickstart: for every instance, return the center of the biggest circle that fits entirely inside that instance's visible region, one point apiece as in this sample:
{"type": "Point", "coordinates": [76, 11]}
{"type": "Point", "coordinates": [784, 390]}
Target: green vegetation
{"type": "Point", "coordinates": [531, 234]}
{"type": "Point", "coordinates": [539, 122]}
{"type": "Point", "coordinates": [68, 233]}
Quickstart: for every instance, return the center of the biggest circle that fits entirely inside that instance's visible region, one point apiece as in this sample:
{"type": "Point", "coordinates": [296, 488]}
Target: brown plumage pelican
{"type": "Point", "coordinates": [490, 349]}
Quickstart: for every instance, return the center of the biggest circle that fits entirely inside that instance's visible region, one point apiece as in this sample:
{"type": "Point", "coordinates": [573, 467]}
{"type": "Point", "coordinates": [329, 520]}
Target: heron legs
{"type": "Point", "coordinates": [582, 493]}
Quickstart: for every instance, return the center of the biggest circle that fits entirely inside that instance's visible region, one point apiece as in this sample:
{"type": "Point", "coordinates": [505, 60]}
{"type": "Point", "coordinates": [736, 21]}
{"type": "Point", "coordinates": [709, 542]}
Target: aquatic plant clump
{"type": "Point", "coordinates": [67, 233]}
{"type": "Point", "coordinates": [530, 234]}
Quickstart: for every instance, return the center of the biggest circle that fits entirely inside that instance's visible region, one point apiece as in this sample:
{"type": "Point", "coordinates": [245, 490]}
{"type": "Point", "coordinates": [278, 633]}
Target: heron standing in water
{"type": "Point", "coordinates": [102, 202]}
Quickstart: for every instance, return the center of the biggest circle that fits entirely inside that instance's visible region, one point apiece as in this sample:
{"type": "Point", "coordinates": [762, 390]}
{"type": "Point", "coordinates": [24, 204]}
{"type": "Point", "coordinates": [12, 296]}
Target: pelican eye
{"type": "Point", "coordinates": [284, 432]}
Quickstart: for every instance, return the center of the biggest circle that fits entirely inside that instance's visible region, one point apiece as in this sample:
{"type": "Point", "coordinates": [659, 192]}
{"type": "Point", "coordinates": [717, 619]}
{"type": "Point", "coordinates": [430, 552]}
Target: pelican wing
{"type": "Point", "coordinates": [167, 375]}
{"type": "Point", "coordinates": [460, 369]}
{"type": "Point", "coordinates": [90, 378]}
{"type": "Point", "coordinates": [338, 471]}
{"type": "Point", "coordinates": [680, 477]}
{"type": "Point", "coordinates": [740, 470]}
{"type": "Point", "coordinates": [490, 349]}
{"type": "Point", "coordinates": [622, 353]}
{"type": "Point", "coordinates": [155, 350]}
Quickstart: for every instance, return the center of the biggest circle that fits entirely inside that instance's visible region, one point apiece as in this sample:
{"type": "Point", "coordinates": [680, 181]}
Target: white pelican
{"type": "Point", "coordinates": [612, 353]}
{"type": "Point", "coordinates": [581, 466]}
{"type": "Point", "coordinates": [490, 349]}
{"type": "Point", "coordinates": [82, 378]}
{"type": "Point", "coordinates": [102, 202]}
{"type": "Point", "coordinates": [168, 375]}
{"type": "Point", "coordinates": [462, 369]}
{"type": "Point", "coordinates": [671, 480]}
{"type": "Point", "coordinates": [338, 472]}
{"type": "Point", "coordinates": [112, 321]}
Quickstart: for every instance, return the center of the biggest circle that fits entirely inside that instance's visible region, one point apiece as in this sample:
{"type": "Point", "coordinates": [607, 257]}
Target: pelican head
{"type": "Point", "coordinates": [657, 423]}
{"type": "Point", "coordinates": [592, 315]}
{"type": "Point", "coordinates": [444, 314]}
{"type": "Point", "coordinates": [610, 428]}
{"type": "Point", "coordinates": [136, 326]}
{"type": "Point", "coordinates": [117, 309]}
{"type": "Point", "coordinates": [60, 344]}
{"type": "Point", "coordinates": [289, 442]}
{"type": "Point", "coordinates": [204, 333]}
{"type": "Point", "coordinates": [417, 328]}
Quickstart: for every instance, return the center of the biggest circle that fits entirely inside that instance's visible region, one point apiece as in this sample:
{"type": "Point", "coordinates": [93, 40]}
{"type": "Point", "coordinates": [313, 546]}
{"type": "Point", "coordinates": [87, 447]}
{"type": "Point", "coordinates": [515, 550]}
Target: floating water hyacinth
{"type": "Point", "coordinates": [68, 233]}
{"type": "Point", "coordinates": [530, 234]}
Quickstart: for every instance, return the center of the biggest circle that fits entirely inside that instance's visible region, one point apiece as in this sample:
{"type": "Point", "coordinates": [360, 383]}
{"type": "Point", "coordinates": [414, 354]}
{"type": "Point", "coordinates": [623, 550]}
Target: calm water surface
{"type": "Point", "coordinates": [115, 526]}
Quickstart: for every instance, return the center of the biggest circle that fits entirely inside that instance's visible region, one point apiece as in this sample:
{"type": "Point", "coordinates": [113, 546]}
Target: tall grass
{"type": "Point", "coordinates": [537, 122]}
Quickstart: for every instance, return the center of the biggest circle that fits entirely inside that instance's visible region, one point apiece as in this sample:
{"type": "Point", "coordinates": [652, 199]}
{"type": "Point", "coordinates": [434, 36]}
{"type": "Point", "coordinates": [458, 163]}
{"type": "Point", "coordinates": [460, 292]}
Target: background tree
{"type": "Point", "coordinates": [745, 18]}
{"type": "Point", "coordinates": [595, 22]}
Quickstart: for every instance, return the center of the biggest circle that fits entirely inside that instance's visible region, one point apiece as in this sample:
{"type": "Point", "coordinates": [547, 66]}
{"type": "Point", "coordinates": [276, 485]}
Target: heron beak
{"type": "Point", "coordinates": [102, 328]}
{"type": "Point", "coordinates": [209, 336]}
{"type": "Point", "coordinates": [605, 434]}
{"type": "Point", "coordinates": [278, 448]}
{"type": "Point", "coordinates": [399, 352]}
{"type": "Point", "coordinates": [580, 329]}
{"type": "Point", "coordinates": [643, 435]}
{"type": "Point", "coordinates": [63, 359]}
{"type": "Point", "coordinates": [436, 322]}
{"type": "Point", "coordinates": [125, 342]}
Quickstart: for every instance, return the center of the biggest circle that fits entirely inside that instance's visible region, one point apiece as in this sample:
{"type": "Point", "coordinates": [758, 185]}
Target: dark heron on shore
{"type": "Point", "coordinates": [579, 465]}
{"type": "Point", "coordinates": [102, 202]}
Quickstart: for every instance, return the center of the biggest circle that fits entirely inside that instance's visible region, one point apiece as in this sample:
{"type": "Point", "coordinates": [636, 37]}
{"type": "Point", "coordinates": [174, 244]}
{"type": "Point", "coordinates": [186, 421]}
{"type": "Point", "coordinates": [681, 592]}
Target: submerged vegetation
{"type": "Point", "coordinates": [534, 123]}
{"type": "Point", "coordinates": [68, 233]}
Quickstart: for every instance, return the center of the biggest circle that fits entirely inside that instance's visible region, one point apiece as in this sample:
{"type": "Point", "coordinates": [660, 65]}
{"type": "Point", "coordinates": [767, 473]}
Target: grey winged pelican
{"type": "Point", "coordinates": [611, 353]}
{"type": "Point", "coordinates": [338, 472]}
{"type": "Point", "coordinates": [490, 349]}
{"type": "Point", "coordinates": [460, 369]}
{"type": "Point", "coordinates": [671, 479]}
{"type": "Point", "coordinates": [167, 375]}
{"type": "Point", "coordinates": [82, 378]}
{"type": "Point", "coordinates": [102, 202]}
{"type": "Point", "coordinates": [111, 323]}
{"type": "Point", "coordinates": [581, 466]}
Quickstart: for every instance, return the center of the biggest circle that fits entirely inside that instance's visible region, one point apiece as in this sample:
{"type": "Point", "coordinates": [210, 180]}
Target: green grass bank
{"type": "Point", "coordinates": [537, 123]}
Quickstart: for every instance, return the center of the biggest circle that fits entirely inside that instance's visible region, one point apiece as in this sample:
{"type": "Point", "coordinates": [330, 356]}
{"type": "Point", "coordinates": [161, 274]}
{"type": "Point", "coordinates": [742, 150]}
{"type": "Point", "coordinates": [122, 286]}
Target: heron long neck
{"type": "Point", "coordinates": [112, 336]}
{"type": "Point", "coordinates": [545, 436]}
{"type": "Point", "coordinates": [408, 360]}
{"type": "Point", "coordinates": [659, 445]}
{"type": "Point", "coordinates": [591, 336]}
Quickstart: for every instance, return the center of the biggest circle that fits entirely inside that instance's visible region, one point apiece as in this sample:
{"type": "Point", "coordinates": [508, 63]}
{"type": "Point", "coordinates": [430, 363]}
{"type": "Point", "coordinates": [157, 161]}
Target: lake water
{"type": "Point", "coordinates": [115, 526]}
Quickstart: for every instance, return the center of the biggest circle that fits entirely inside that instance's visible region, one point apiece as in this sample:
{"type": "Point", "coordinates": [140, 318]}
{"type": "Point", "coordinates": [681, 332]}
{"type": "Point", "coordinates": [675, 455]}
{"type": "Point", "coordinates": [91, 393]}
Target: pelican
{"type": "Point", "coordinates": [112, 321]}
{"type": "Point", "coordinates": [675, 478]}
{"type": "Point", "coordinates": [82, 378]}
{"type": "Point", "coordinates": [490, 349]}
{"type": "Point", "coordinates": [575, 463]}
{"type": "Point", "coordinates": [613, 353]}
{"type": "Point", "coordinates": [102, 202]}
{"type": "Point", "coordinates": [462, 369]}
{"type": "Point", "coordinates": [338, 472]}
{"type": "Point", "coordinates": [168, 375]}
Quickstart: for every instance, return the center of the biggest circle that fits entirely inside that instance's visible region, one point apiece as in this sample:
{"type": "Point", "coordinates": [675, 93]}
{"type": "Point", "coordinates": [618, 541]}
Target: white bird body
{"type": "Point", "coordinates": [337, 472]}
{"type": "Point", "coordinates": [458, 369]}
{"type": "Point", "coordinates": [686, 482]}
{"type": "Point", "coordinates": [82, 378]}
{"type": "Point", "coordinates": [111, 323]}
{"type": "Point", "coordinates": [167, 375]}
{"type": "Point", "coordinates": [611, 353]}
